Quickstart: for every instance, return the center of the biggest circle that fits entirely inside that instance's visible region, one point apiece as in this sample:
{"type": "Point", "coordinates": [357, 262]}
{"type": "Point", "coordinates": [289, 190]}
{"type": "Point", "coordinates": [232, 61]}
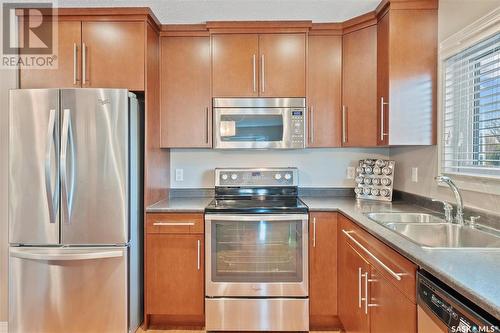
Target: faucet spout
{"type": "Point", "coordinates": [459, 217]}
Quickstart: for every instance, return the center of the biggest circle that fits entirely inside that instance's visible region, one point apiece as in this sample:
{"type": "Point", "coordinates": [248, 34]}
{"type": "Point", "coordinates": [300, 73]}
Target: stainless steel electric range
{"type": "Point", "coordinates": [256, 232]}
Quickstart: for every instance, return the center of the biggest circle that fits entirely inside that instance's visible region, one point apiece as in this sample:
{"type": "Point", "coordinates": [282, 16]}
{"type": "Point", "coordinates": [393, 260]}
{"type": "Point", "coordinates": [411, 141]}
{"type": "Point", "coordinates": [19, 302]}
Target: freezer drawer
{"type": "Point", "coordinates": [68, 290]}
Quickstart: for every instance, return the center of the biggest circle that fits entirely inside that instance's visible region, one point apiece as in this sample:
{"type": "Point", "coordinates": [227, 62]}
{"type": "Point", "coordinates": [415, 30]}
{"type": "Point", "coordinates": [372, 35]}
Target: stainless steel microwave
{"type": "Point", "coordinates": [259, 123]}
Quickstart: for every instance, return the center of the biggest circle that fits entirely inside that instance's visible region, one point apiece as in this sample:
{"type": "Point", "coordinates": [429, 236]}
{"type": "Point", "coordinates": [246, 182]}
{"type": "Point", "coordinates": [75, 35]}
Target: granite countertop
{"type": "Point", "coordinates": [473, 273]}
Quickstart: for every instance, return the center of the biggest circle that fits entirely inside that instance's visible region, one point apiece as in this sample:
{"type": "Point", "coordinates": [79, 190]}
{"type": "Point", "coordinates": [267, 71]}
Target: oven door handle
{"type": "Point", "coordinates": [256, 217]}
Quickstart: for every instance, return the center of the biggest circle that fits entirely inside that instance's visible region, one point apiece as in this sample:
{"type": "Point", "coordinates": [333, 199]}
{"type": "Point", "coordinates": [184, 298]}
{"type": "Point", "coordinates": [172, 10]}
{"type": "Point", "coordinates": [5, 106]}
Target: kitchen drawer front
{"type": "Point", "coordinates": [398, 270]}
{"type": "Point", "coordinates": [174, 223]}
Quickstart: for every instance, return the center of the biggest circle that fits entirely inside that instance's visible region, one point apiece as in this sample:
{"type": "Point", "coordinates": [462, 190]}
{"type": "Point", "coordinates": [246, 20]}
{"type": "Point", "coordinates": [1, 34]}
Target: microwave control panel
{"type": "Point", "coordinates": [297, 129]}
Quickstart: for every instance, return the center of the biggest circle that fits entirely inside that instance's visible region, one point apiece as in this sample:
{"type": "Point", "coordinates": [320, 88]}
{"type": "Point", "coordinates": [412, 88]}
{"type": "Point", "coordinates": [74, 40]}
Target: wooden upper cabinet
{"type": "Point", "coordinates": [359, 88]}
{"type": "Point", "coordinates": [251, 65]}
{"type": "Point", "coordinates": [407, 69]}
{"type": "Point", "coordinates": [235, 65]}
{"type": "Point", "coordinates": [114, 54]}
{"type": "Point", "coordinates": [383, 80]}
{"type": "Point", "coordinates": [68, 71]}
{"type": "Point", "coordinates": [185, 92]}
{"type": "Point", "coordinates": [282, 65]}
{"type": "Point", "coordinates": [393, 311]}
{"type": "Point", "coordinates": [324, 79]}
{"type": "Point", "coordinates": [323, 271]}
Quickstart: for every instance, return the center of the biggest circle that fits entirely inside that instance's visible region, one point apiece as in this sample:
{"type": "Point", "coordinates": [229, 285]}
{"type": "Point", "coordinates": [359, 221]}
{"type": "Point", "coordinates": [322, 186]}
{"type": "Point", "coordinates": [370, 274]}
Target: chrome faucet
{"type": "Point", "coordinates": [459, 217]}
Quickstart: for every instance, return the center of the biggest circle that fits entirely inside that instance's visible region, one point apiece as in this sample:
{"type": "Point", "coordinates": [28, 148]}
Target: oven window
{"type": "Point", "coordinates": [252, 127]}
{"type": "Point", "coordinates": [257, 251]}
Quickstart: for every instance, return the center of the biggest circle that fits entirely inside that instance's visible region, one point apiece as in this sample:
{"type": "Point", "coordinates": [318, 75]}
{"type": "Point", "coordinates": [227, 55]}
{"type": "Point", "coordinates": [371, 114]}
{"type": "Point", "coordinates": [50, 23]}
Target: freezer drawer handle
{"type": "Point", "coordinates": [52, 199]}
{"type": "Point", "coordinates": [397, 276]}
{"type": "Point", "coordinates": [69, 256]}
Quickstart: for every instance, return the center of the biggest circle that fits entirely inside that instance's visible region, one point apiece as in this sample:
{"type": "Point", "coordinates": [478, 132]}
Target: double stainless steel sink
{"type": "Point", "coordinates": [432, 231]}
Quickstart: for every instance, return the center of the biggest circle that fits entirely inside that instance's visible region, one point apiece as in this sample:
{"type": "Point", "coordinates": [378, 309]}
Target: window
{"type": "Point", "coordinates": [471, 110]}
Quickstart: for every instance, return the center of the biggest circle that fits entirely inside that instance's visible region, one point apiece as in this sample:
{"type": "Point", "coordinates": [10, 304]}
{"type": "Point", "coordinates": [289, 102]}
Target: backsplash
{"type": "Point", "coordinates": [317, 167]}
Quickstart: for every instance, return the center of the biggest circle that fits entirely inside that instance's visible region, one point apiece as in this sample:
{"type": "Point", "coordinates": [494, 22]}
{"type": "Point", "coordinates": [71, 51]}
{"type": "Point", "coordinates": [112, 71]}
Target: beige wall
{"type": "Point", "coordinates": [453, 16]}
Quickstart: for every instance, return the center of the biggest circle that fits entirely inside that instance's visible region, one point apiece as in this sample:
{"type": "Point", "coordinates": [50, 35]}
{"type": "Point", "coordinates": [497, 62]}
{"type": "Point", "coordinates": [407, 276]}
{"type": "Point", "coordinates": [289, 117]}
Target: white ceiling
{"type": "Point", "coordinates": [198, 11]}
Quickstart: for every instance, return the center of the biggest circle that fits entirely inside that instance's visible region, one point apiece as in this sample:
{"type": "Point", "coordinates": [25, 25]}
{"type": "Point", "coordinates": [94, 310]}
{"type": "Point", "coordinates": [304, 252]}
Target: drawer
{"type": "Point", "coordinates": [383, 258]}
{"type": "Point", "coordinates": [174, 223]}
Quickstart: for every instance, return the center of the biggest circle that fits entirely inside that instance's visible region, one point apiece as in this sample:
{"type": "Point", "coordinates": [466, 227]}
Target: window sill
{"type": "Point", "coordinates": [481, 184]}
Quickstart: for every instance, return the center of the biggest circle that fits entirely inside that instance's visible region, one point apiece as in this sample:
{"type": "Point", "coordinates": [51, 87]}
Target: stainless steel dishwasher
{"type": "Point", "coordinates": [442, 309]}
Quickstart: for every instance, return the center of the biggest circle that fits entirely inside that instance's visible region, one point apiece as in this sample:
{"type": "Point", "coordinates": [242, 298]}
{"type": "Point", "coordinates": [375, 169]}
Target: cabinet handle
{"type": "Point", "coordinates": [344, 127]}
{"type": "Point", "coordinates": [359, 287]}
{"type": "Point", "coordinates": [75, 66]}
{"type": "Point", "coordinates": [84, 63]}
{"type": "Point", "coordinates": [174, 224]}
{"type": "Point", "coordinates": [207, 119]}
{"type": "Point", "coordinates": [311, 124]}
{"type": "Point", "coordinates": [397, 276]}
{"type": "Point", "coordinates": [262, 73]}
{"type": "Point", "coordinates": [254, 72]}
{"type": "Point", "coordinates": [198, 262]}
{"type": "Point", "coordinates": [366, 292]}
{"type": "Point", "coordinates": [382, 103]}
{"type": "Point", "coordinates": [314, 232]}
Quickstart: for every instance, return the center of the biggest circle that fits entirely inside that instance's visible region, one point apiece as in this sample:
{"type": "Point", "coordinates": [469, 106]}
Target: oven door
{"type": "Point", "coordinates": [252, 128]}
{"type": "Point", "coordinates": [256, 255]}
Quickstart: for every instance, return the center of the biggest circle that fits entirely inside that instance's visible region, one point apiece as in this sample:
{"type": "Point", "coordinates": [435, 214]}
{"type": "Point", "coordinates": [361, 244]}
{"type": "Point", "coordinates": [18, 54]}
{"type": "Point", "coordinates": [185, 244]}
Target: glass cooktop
{"type": "Point", "coordinates": [260, 205]}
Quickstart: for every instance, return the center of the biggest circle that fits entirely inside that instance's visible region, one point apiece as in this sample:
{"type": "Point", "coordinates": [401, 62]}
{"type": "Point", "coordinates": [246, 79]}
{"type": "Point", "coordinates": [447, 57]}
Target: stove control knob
{"type": "Point", "coordinates": [224, 176]}
{"type": "Point", "coordinates": [277, 176]}
{"type": "Point", "coordinates": [288, 176]}
{"type": "Point", "coordinates": [234, 176]}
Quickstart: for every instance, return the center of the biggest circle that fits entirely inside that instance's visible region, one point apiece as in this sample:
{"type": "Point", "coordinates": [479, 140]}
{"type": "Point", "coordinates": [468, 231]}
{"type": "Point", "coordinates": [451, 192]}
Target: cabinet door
{"type": "Point", "coordinates": [68, 71]}
{"type": "Point", "coordinates": [235, 65]}
{"type": "Point", "coordinates": [323, 271]}
{"type": "Point", "coordinates": [351, 289]}
{"type": "Point", "coordinates": [324, 90]}
{"type": "Point", "coordinates": [185, 92]}
{"type": "Point", "coordinates": [174, 276]}
{"type": "Point", "coordinates": [114, 55]}
{"type": "Point", "coordinates": [359, 88]}
{"type": "Point", "coordinates": [282, 65]}
{"type": "Point", "coordinates": [383, 80]}
{"type": "Point", "coordinates": [390, 311]}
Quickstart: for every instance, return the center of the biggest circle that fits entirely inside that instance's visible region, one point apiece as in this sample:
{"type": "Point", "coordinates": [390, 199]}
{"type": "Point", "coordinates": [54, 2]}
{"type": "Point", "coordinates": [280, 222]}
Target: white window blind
{"type": "Point", "coordinates": [471, 106]}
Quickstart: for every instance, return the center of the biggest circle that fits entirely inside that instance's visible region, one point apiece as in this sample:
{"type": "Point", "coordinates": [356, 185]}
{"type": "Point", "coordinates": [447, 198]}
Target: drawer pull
{"type": "Point", "coordinates": [174, 224]}
{"type": "Point", "coordinates": [397, 276]}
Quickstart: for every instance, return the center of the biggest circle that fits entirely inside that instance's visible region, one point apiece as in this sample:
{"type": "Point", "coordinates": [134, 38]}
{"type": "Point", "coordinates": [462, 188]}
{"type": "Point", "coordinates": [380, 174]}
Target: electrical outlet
{"type": "Point", "coordinates": [179, 175]}
{"type": "Point", "coordinates": [414, 175]}
{"type": "Point", "coordinates": [351, 171]}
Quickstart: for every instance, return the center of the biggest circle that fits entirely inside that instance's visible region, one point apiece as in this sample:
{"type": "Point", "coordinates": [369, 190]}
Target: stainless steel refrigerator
{"type": "Point", "coordinates": [75, 212]}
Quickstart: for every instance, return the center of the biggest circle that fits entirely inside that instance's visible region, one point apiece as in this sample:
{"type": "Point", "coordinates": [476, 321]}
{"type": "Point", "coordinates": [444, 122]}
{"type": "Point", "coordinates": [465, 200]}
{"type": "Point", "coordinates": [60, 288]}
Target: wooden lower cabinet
{"type": "Point", "coordinates": [352, 268]}
{"type": "Point", "coordinates": [391, 311]}
{"type": "Point", "coordinates": [370, 298]}
{"type": "Point", "coordinates": [323, 271]}
{"type": "Point", "coordinates": [174, 278]}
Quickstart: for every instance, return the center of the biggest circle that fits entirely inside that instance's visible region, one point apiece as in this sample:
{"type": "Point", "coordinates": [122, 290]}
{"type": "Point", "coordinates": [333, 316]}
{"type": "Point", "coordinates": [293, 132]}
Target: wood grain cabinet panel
{"type": "Point", "coordinates": [185, 92]}
{"type": "Point", "coordinates": [235, 65]}
{"type": "Point", "coordinates": [114, 54]}
{"type": "Point", "coordinates": [324, 79]}
{"type": "Point", "coordinates": [282, 65]}
{"type": "Point", "coordinates": [174, 277]}
{"type": "Point", "coordinates": [359, 88]}
{"type": "Point", "coordinates": [390, 310]}
{"type": "Point", "coordinates": [323, 271]}
{"type": "Point", "coordinates": [351, 289]}
{"type": "Point", "coordinates": [407, 69]}
{"type": "Point", "coordinates": [68, 71]}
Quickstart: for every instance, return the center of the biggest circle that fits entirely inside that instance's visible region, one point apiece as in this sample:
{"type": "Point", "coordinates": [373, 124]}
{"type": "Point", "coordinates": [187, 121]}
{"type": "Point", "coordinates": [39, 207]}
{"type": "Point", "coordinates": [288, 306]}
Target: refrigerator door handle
{"type": "Point", "coordinates": [66, 136]}
{"type": "Point", "coordinates": [49, 143]}
{"type": "Point", "coordinates": [88, 255]}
